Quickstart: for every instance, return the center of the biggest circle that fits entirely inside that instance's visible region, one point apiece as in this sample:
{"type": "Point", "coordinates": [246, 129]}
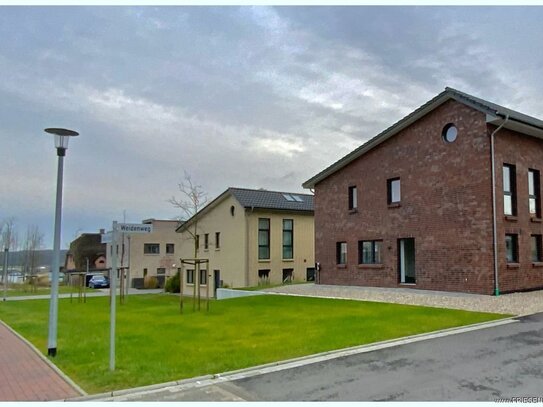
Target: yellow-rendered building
{"type": "Point", "coordinates": [249, 237]}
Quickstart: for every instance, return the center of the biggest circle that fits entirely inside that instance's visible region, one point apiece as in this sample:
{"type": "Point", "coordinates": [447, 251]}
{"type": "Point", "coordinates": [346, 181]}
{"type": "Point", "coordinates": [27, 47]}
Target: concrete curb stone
{"type": "Point", "coordinates": [303, 360]}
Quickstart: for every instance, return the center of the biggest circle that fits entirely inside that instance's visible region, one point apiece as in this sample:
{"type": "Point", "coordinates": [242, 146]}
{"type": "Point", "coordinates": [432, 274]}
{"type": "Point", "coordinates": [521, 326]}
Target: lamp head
{"type": "Point", "coordinates": [61, 138]}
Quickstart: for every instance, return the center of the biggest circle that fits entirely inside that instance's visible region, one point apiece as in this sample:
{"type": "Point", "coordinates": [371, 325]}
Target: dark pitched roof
{"type": "Point", "coordinates": [260, 198]}
{"type": "Point", "coordinates": [494, 109]}
{"type": "Point", "coordinates": [496, 114]}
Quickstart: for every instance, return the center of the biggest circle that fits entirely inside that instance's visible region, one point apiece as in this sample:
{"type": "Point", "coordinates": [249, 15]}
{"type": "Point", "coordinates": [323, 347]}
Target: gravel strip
{"type": "Point", "coordinates": [515, 304]}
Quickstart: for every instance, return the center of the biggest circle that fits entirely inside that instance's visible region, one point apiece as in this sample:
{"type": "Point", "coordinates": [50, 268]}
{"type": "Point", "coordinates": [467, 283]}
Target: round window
{"type": "Point", "coordinates": [449, 133]}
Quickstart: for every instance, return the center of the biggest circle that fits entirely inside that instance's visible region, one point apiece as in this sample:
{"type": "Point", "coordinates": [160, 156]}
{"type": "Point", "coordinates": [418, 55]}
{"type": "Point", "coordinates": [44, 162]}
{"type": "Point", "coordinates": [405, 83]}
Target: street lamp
{"type": "Point", "coordinates": [61, 143]}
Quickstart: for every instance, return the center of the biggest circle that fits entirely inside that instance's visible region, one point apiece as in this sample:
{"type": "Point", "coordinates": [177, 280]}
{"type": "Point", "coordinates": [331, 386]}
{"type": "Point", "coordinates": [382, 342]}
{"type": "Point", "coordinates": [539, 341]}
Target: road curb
{"type": "Point", "coordinates": [202, 381]}
{"type": "Point", "coordinates": [64, 376]}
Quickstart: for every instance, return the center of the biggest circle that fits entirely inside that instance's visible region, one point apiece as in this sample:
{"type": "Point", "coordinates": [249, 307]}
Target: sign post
{"type": "Point", "coordinates": [124, 228]}
{"type": "Point", "coordinates": [113, 296]}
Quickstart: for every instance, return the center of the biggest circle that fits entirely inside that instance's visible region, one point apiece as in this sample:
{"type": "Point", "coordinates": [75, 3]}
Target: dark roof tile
{"type": "Point", "coordinates": [261, 198]}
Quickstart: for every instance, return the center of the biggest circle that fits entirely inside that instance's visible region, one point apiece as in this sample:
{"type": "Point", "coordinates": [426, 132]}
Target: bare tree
{"type": "Point", "coordinates": [8, 241]}
{"type": "Point", "coordinates": [193, 198]}
{"type": "Point", "coordinates": [8, 235]}
{"type": "Point", "coordinates": [32, 243]}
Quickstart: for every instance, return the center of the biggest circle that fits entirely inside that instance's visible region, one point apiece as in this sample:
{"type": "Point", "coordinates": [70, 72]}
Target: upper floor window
{"type": "Point", "coordinates": [151, 248]}
{"type": "Point", "coordinates": [288, 238]}
{"type": "Point", "coordinates": [206, 241]}
{"type": "Point", "coordinates": [511, 248]}
{"type": "Point", "coordinates": [449, 133]}
{"type": "Point", "coordinates": [341, 252]}
{"type": "Point", "coordinates": [534, 196]}
{"type": "Point", "coordinates": [369, 251]}
{"type": "Point", "coordinates": [217, 240]}
{"type": "Point", "coordinates": [197, 242]}
{"type": "Point", "coordinates": [509, 190]}
{"type": "Point", "coordinates": [264, 238]}
{"type": "Point", "coordinates": [393, 190]}
{"type": "Point", "coordinates": [353, 198]}
{"type": "Point", "coordinates": [170, 248]}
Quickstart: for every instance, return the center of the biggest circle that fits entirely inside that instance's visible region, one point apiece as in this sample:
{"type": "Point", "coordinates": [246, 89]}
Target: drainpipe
{"type": "Point", "coordinates": [494, 227]}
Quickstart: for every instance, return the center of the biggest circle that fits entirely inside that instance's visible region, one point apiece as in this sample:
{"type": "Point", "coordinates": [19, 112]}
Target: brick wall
{"type": "Point", "coordinates": [525, 153]}
{"type": "Point", "coordinates": [446, 206]}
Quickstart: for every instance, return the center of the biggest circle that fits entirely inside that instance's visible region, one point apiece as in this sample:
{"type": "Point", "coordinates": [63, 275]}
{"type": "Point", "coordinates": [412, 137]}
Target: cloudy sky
{"type": "Point", "coordinates": [253, 97]}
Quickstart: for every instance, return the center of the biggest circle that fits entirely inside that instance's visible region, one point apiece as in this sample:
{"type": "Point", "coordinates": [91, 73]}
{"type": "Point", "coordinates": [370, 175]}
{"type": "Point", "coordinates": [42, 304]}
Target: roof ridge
{"type": "Point", "coordinates": [482, 105]}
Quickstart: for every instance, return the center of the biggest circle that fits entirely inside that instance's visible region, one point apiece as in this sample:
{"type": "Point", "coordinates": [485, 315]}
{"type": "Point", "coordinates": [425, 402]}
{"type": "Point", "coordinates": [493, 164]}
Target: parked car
{"type": "Point", "coordinates": [98, 281]}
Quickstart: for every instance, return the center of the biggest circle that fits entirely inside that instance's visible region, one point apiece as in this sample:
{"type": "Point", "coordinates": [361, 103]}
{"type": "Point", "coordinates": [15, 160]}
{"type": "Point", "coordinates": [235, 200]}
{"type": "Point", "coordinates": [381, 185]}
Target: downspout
{"type": "Point", "coordinates": [494, 216]}
{"type": "Point", "coordinates": [247, 245]}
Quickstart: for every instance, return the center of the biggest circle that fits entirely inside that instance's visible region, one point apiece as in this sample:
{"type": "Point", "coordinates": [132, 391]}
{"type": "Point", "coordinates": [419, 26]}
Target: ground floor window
{"type": "Point", "coordinates": [203, 277]}
{"type": "Point", "coordinates": [190, 276]}
{"type": "Point", "coordinates": [369, 251]}
{"type": "Point", "coordinates": [341, 252]}
{"type": "Point", "coordinates": [287, 275]}
{"type": "Point", "coordinates": [161, 270]}
{"type": "Point", "coordinates": [263, 276]}
{"type": "Point", "coordinates": [536, 248]}
{"type": "Point", "coordinates": [511, 248]}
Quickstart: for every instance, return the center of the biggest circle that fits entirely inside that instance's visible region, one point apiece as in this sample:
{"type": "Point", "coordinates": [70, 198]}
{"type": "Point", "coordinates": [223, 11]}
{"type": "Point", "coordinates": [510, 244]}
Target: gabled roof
{"type": "Point", "coordinates": [259, 199]}
{"type": "Point", "coordinates": [495, 114]}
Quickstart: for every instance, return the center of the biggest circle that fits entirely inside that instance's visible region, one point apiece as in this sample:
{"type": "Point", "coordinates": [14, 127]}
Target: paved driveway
{"type": "Point", "coordinates": [483, 365]}
{"type": "Point", "coordinates": [514, 304]}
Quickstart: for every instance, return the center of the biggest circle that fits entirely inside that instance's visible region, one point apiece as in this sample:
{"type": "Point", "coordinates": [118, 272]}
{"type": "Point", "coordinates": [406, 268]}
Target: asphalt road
{"type": "Point", "coordinates": [482, 365]}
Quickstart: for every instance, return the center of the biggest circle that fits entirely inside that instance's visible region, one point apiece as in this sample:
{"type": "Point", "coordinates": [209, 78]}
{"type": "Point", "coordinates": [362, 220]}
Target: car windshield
{"type": "Point", "coordinates": [98, 278]}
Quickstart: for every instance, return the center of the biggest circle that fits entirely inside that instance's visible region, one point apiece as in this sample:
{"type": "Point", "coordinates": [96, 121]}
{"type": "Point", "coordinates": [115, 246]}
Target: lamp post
{"type": "Point", "coordinates": [61, 143]}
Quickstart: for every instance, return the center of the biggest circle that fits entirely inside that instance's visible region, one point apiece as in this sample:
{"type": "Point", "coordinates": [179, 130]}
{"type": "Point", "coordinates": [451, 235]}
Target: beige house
{"type": "Point", "coordinates": [250, 237]}
{"type": "Point", "coordinates": [149, 254]}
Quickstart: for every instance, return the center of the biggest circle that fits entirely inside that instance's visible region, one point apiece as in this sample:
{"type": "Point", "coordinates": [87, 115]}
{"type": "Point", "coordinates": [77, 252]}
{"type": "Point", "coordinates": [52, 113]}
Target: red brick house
{"type": "Point", "coordinates": [448, 198]}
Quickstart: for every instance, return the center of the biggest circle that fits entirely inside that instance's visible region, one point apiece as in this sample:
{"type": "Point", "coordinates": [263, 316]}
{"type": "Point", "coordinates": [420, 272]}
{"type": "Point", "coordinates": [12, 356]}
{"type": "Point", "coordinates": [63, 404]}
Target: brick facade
{"type": "Point", "coordinates": [446, 206]}
{"type": "Point", "coordinates": [525, 153]}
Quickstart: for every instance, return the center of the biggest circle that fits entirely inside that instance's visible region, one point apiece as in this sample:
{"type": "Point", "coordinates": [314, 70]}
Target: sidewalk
{"type": "Point", "coordinates": [25, 375]}
{"type": "Point", "coordinates": [104, 292]}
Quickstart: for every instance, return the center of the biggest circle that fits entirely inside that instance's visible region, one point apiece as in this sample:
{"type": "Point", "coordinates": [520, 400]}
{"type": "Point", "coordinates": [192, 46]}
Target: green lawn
{"type": "Point", "coordinates": [156, 344]}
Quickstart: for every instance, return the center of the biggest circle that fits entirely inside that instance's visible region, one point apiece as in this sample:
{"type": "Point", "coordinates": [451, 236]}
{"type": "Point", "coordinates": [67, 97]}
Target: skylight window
{"type": "Point", "coordinates": [292, 198]}
{"type": "Point", "coordinates": [288, 197]}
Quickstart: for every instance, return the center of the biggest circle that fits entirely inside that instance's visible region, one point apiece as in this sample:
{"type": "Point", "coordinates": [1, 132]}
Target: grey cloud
{"type": "Point", "coordinates": [256, 97]}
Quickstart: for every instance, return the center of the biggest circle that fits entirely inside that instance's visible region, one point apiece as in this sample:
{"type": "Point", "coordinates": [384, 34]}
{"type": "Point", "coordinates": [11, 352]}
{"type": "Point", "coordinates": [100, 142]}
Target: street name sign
{"type": "Point", "coordinates": [134, 228]}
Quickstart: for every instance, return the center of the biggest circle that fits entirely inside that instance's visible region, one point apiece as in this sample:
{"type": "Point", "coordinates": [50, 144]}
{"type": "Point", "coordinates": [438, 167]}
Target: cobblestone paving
{"type": "Point", "coordinates": [516, 303]}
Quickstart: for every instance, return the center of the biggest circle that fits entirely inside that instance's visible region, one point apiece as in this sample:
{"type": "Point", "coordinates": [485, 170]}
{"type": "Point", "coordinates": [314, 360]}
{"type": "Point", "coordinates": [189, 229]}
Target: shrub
{"type": "Point", "coordinates": [172, 284]}
{"type": "Point", "coordinates": [150, 282]}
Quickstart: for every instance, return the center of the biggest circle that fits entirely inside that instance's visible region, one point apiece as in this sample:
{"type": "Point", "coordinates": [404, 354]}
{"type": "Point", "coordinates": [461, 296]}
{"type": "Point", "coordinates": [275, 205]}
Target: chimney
{"type": "Point", "coordinates": [102, 231]}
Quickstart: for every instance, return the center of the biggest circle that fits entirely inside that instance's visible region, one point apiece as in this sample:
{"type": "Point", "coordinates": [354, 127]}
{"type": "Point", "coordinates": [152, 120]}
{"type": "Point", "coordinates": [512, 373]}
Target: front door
{"type": "Point", "coordinates": [217, 279]}
{"type": "Point", "coordinates": [406, 260]}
